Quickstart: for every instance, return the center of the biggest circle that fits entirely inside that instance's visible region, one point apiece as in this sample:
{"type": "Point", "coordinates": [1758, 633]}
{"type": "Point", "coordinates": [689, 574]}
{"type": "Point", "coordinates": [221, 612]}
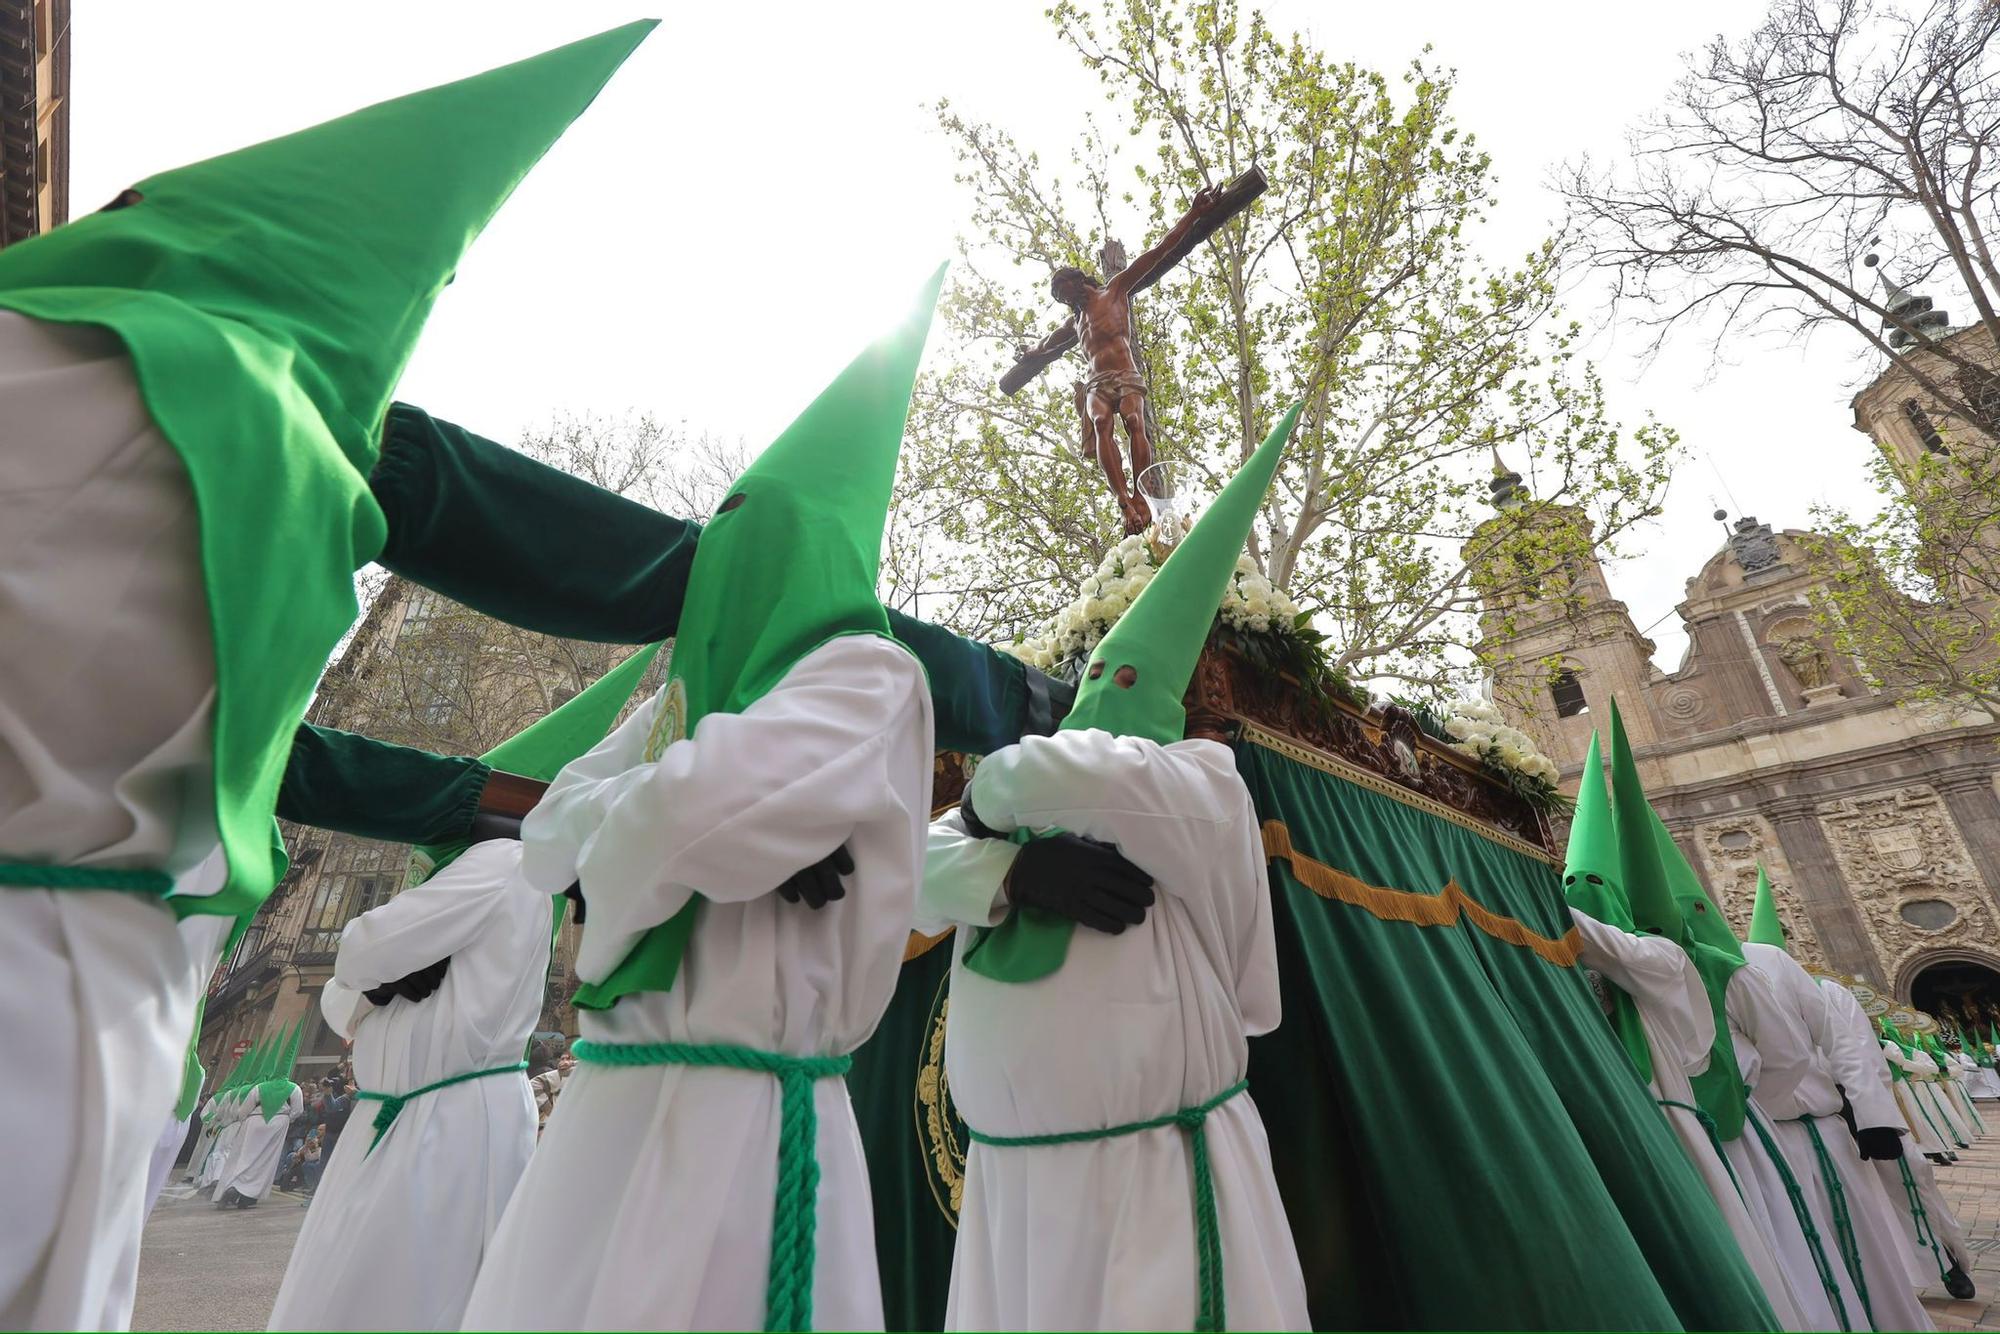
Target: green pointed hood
{"type": "Point", "coordinates": [543, 747]}
{"type": "Point", "coordinates": [251, 1068]}
{"type": "Point", "coordinates": [1643, 872]}
{"type": "Point", "coordinates": [269, 299]}
{"type": "Point", "coordinates": [792, 556]}
{"type": "Point", "coordinates": [1765, 928]}
{"type": "Point", "coordinates": [1591, 866]}
{"type": "Point", "coordinates": [276, 1085]}
{"type": "Point", "coordinates": [1161, 635]}
{"type": "Point", "coordinates": [329, 245]}
{"type": "Point", "coordinates": [788, 563]}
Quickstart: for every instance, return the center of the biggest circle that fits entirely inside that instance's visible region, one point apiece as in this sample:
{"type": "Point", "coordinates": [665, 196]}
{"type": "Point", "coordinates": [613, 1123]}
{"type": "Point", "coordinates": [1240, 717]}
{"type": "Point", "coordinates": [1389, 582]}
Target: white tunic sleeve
{"type": "Point", "coordinates": [1856, 1061]}
{"type": "Point", "coordinates": [964, 877]}
{"type": "Point", "coordinates": [1785, 1057]}
{"type": "Point", "coordinates": [1178, 812]}
{"type": "Point", "coordinates": [424, 924]}
{"type": "Point", "coordinates": [1657, 974]}
{"type": "Point", "coordinates": [343, 1007]}
{"type": "Point", "coordinates": [1159, 804]}
{"type": "Point", "coordinates": [735, 810]}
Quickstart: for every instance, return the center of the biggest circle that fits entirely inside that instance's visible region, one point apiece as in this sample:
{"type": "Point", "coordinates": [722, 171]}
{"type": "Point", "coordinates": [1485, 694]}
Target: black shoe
{"type": "Point", "coordinates": [1959, 1284]}
{"type": "Point", "coordinates": [245, 1202]}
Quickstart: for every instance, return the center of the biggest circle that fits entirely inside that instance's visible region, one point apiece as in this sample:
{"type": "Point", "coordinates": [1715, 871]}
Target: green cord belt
{"type": "Point", "coordinates": [29, 875]}
{"type": "Point", "coordinates": [1843, 1223]}
{"type": "Point", "coordinates": [1714, 1138]}
{"type": "Point", "coordinates": [788, 1288]}
{"type": "Point", "coordinates": [1972, 1110]}
{"type": "Point", "coordinates": [392, 1103]}
{"type": "Point", "coordinates": [1210, 1315]}
{"type": "Point", "coordinates": [1925, 1112]}
{"type": "Point", "coordinates": [1803, 1212]}
{"type": "Point", "coordinates": [1937, 1100]}
{"type": "Point", "coordinates": [1926, 1234]}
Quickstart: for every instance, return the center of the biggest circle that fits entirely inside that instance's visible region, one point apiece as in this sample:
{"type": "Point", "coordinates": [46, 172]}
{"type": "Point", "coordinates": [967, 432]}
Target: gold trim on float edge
{"type": "Point", "coordinates": [1354, 773]}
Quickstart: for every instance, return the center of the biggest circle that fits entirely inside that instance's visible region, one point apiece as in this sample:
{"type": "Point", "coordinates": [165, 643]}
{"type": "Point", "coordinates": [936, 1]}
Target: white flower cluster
{"type": "Point", "coordinates": [1249, 602]}
{"type": "Point", "coordinates": [1477, 729]}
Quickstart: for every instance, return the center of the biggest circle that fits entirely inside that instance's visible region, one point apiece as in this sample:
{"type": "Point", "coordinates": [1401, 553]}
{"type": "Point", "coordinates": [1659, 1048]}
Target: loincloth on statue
{"type": "Point", "coordinates": [1109, 387]}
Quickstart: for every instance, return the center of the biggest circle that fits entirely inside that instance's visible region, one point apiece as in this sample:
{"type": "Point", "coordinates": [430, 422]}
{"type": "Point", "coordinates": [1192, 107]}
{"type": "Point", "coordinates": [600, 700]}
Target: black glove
{"type": "Point", "coordinates": [1847, 1112]}
{"type": "Point", "coordinates": [486, 825]}
{"type": "Point", "coordinates": [974, 826]}
{"type": "Point", "coordinates": [415, 986]}
{"type": "Point", "coordinates": [819, 884]}
{"type": "Point", "coordinates": [1884, 1143]}
{"type": "Point", "coordinates": [1082, 879]}
{"type": "Point", "coordinates": [575, 895]}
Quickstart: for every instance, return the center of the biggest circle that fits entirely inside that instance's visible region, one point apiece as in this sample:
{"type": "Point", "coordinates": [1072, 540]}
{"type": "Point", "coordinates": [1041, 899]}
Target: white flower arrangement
{"type": "Point", "coordinates": [1476, 729]}
{"type": "Point", "coordinates": [1249, 603]}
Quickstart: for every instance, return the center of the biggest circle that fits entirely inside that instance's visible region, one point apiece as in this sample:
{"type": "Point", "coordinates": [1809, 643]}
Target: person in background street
{"type": "Point", "coordinates": [302, 1166]}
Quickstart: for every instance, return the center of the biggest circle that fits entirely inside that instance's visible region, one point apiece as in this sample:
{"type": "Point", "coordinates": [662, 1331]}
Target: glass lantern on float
{"type": "Point", "coordinates": [1163, 499]}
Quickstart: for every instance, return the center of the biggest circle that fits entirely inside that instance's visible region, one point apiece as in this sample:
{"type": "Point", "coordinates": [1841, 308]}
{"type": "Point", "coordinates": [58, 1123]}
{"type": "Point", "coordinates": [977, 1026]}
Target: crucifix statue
{"type": "Point", "coordinates": [1113, 389]}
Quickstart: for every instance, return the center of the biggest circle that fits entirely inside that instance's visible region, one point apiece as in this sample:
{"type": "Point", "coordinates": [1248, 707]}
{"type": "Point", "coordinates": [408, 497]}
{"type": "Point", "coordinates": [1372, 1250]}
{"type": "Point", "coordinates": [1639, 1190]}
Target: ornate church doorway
{"type": "Point", "coordinates": [1957, 991]}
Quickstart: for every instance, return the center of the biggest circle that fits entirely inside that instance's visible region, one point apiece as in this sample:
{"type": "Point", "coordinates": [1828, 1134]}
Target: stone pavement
{"type": "Point", "coordinates": [201, 1267]}
{"type": "Point", "coordinates": [1972, 1184]}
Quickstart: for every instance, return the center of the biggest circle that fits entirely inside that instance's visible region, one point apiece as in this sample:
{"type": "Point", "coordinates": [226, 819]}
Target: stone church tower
{"type": "Point", "coordinates": [1878, 820]}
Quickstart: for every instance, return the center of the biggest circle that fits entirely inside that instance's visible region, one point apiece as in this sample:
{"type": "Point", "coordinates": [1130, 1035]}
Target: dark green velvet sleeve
{"type": "Point", "coordinates": [355, 784]}
{"type": "Point", "coordinates": [533, 546]}
{"type": "Point", "coordinates": [525, 543]}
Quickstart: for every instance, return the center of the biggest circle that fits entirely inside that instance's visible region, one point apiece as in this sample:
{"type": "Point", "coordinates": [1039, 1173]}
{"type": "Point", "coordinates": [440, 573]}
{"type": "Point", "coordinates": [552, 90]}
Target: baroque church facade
{"type": "Point", "coordinates": [1877, 818]}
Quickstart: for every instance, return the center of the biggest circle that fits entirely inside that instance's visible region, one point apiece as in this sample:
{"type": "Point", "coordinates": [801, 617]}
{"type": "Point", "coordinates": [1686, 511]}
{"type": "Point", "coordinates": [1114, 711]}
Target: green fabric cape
{"type": "Point", "coordinates": [1160, 637]}
{"type": "Point", "coordinates": [269, 299]}
{"type": "Point", "coordinates": [1591, 879]}
{"type": "Point", "coordinates": [788, 563]}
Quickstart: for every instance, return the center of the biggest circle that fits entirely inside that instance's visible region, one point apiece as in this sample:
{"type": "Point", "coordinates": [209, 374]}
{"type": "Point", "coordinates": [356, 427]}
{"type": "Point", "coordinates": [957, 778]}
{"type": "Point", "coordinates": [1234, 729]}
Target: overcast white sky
{"type": "Point", "coordinates": [760, 190]}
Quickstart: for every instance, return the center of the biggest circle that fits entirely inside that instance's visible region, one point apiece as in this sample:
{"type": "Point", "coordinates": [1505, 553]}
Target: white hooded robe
{"type": "Point", "coordinates": [1101, 1234]}
{"type": "Point", "coordinates": [1879, 1232]}
{"type": "Point", "coordinates": [648, 1204]}
{"type": "Point", "coordinates": [107, 678]}
{"type": "Point", "coordinates": [1679, 1024]}
{"type": "Point", "coordinates": [397, 1229]}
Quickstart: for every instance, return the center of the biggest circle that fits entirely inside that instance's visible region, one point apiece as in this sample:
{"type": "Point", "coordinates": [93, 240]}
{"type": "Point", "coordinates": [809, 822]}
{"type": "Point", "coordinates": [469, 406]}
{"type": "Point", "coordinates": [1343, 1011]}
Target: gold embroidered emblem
{"type": "Point", "coordinates": [938, 1126]}
{"type": "Point", "coordinates": [669, 721]}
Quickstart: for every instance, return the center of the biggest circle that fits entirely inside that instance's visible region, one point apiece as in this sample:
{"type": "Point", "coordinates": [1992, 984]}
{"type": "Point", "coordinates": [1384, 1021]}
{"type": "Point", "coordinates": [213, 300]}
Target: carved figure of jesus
{"type": "Point", "coordinates": [1114, 389]}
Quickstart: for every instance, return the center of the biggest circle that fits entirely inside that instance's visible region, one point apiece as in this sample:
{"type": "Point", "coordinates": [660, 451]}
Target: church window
{"type": "Point", "coordinates": [1567, 693]}
{"type": "Point", "coordinates": [1920, 421]}
{"type": "Point", "coordinates": [355, 875]}
{"type": "Point", "coordinates": [1980, 389]}
{"type": "Point", "coordinates": [1929, 914]}
{"type": "Point", "coordinates": [1734, 839]}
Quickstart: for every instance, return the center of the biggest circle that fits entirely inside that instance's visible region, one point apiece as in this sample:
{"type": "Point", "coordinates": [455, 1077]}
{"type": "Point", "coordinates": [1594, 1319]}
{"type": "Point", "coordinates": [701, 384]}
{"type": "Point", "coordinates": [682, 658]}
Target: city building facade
{"type": "Point", "coordinates": [1877, 816]}
{"type": "Point", "coordinates": [34, 117]}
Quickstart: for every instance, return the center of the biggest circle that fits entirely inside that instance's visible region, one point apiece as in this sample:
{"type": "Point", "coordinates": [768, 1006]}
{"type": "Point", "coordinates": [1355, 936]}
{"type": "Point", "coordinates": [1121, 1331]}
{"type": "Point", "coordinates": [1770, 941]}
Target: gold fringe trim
{"type": "Point", "coordinates": [920, 944]}
{"type": "Point", "coordinates": [1293, 749]}
{"type": "Point", "coordinates": [1396, 905]}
